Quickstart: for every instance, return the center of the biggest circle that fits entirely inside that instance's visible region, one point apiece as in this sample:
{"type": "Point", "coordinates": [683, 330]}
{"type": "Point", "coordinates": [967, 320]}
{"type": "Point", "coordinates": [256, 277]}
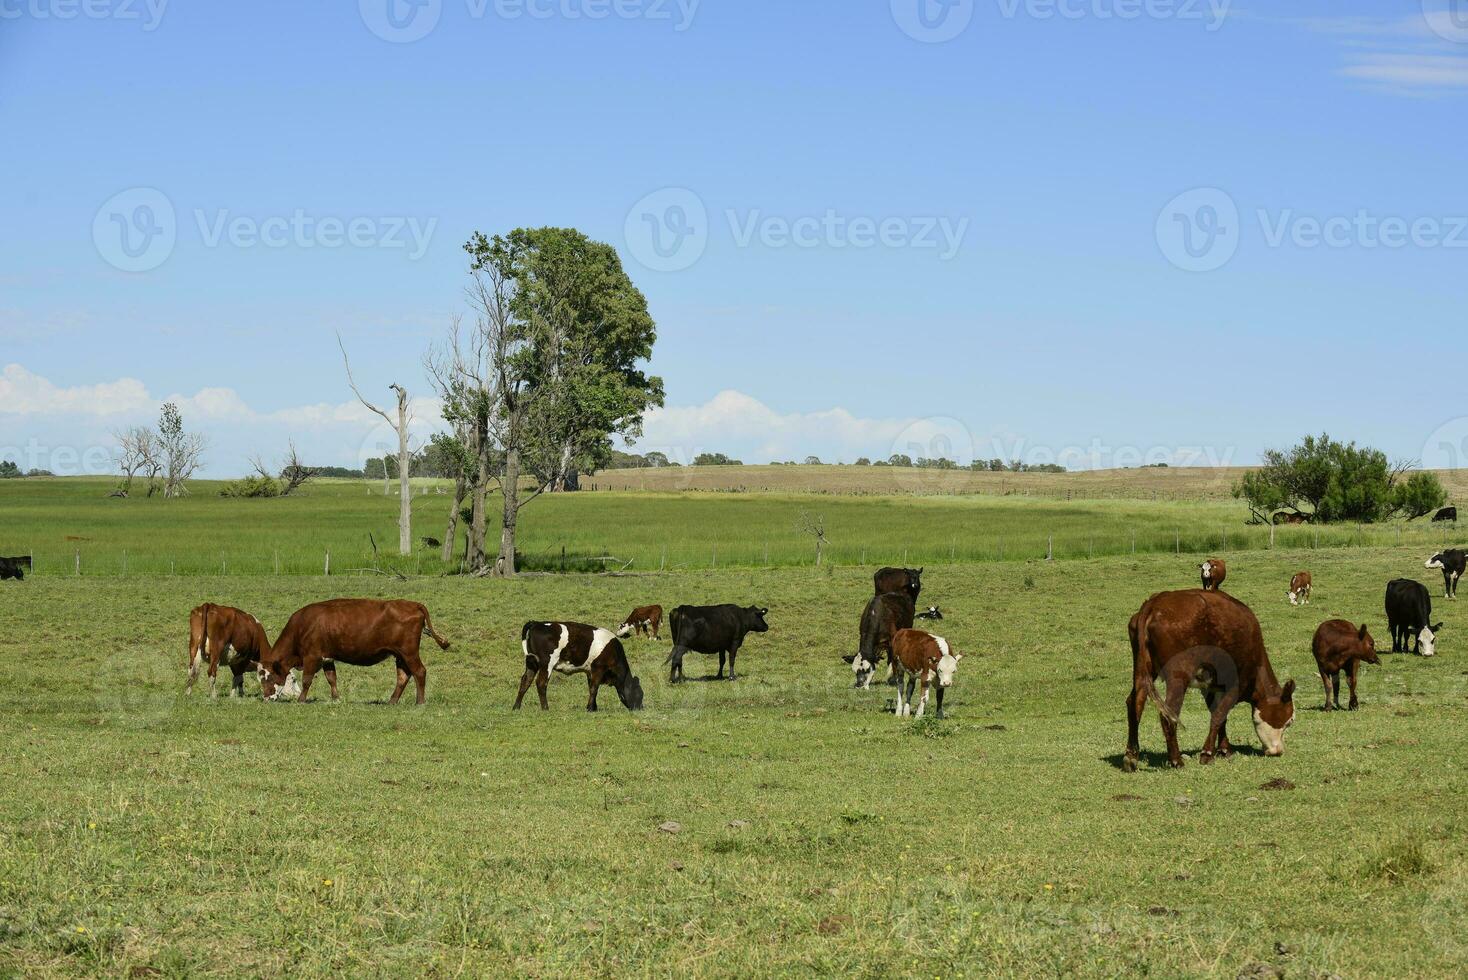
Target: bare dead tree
{"type": "Point", "coordinates": [405, 455]}
{"type": "Point", "coordinates": [178, 453]}
{"type": "Point", "coordinates": [137, 447]}
{"type": "Point", "coordinates": [815, 526]}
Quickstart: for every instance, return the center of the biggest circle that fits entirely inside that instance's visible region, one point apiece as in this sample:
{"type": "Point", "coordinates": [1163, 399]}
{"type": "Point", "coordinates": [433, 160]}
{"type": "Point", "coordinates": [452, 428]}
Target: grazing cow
{"type": "Point", "coordinates": [1214, 631]}
{"type": "Point", "coordinates": [1286, 517]}
{"type": "Point", "coordinates": [1214, 572]}
{"type": "Point", "coordinates": [1409, 614]}
{"type": "Point", "coordinates": [909, 580]}
{"type": "Point", "coordinates": [1452, 562]}
{"type": "Point", "coordinates": [12, 567]}
{"type": "Point", "coordinates": [572, 648]}
{"type": "Point", "coordinates": [882, 618]}
{"type": "Point", "coordinates": [234, 636]}
{"type": "Point", "coordinates": [711, 629]}
{"type": "Point", "coordinates": [1338, 645]}
{"type": "Point", "coordinates": [361, 632]}
{"type": "Point", "coordinates": [1446, 514]}
{"type": "Point", "coordinates": [931, 612]}
{"type": "Point", "coordinates": [644, 620]}
{"type": "Point", "coordinates": [1300, 586]}
{"type": "Point", "coordinates": [921, 658]}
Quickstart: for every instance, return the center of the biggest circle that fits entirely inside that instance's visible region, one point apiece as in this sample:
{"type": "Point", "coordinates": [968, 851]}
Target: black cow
{"type": "Point", "coordinates": [12, 567]}
{"type": "Point", "coordinates": [1446, 514]}
{"type": "Point", "coordinates": [909, 580]}
{"type": "Point", "coordinates": [574, 648]}
{"type": "Point", "coordinates": [1453, 562]}
{"type": "Point", "coordinates": [1408, 613]}
{"type": "Point", "coordinates": [883, 616]}
{"type": "Point", "coordinates": [711, 629]}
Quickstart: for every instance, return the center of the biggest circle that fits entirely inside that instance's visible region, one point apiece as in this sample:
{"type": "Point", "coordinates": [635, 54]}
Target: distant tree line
{"type": "Point", "coordinates": [10, 471]}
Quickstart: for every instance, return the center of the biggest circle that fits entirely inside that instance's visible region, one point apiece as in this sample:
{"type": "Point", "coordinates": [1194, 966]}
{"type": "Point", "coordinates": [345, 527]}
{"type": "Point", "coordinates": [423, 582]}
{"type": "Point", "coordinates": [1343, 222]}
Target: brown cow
{"type": "Point", "coordinates": [642, 620]}
{"type": "Point", "coordinates": [1171, 624]}
{"type": "Point", "coordinates": [1300, 586]}
{"type": "Point", "coordinates": [573, 648]}
{"type": "Point", "coordinates": [229, 634]}
{"type": "Point", "coordinates": [908, 580]}
{"type": "Point", "coordinates": [919, 657]}
{"type": "Point", "coordinates": [1214, 572]}
{"type": "Point", "coordinates": [362, 632]}
{"type": "Point", "coordinates": [1338, 645]}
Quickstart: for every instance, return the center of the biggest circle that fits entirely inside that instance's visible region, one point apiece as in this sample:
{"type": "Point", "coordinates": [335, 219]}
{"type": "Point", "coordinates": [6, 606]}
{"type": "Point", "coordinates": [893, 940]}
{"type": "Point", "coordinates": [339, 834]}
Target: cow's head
{"type": "Point", "coordinates": [1368, 646]}
{"type": "Point", "coordinates": [1436, 561]}
{"type": "Point", "coordinates": [1207, 569]}
{"type": "Point", "coordinates": [948, 666]}
{"type": "Point", "coordinates": [625, 630]}
{"type": "Point", "coordinates": [862, 669]}
{"type": "Point", "coordinates": [276, 686]}
{"type": "Point", "coordinates": [1427, 640]}
{"type": "Point", "coordinates": [754, 619]}
{"type": "Point", "coordinates": [630, 691]}
{"type": "Point", "coordinates": [1272, 717]}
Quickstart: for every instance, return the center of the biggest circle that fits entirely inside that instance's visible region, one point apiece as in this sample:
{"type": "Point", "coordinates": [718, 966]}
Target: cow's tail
{"type": "Point", "coordinates": [1143, 672]}
{"type": "Point", "coordinates": [198, 633]}
{"type": "Point", "coordinates": [868, 647]}
{"type": "Point", "coordinates": [428, 629]}
{"type": "Point", "coordinates": [675, 626]}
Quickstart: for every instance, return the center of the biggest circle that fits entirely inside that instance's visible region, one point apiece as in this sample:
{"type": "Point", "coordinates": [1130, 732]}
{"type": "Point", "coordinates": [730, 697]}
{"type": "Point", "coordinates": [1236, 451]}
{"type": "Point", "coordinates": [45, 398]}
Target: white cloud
{"type": "Point", "coordinates": [1410, 70]}
{"type": "Point", "coordinates": [1407, 55]}
{"type": "Point", "coordinates": [24, 393]}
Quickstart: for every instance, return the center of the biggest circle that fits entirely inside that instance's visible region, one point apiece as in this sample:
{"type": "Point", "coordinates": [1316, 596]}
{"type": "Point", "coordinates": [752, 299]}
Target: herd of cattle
{"type": "Point", "coordinates": [1196, 638]}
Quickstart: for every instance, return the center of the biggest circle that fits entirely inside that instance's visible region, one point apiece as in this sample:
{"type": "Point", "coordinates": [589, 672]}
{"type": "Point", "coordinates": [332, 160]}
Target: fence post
{"type": "Point", "coordinates": [1050, 548]}
{"type": "Point", "coordinates": [328, 562]}
{"type": "Point", "coordinates": [1177, 541]}
{"type": "Point", "coordinates": [78, 561]}
{"type": "Point", "coordinates": [124, 563]}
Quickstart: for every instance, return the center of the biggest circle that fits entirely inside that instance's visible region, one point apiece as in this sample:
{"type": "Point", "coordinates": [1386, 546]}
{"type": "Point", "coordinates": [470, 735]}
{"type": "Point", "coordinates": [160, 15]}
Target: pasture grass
{"type": "Point", "coordinates": [142, 833]}
{"type": "Point", "coordinates": [70, 524]}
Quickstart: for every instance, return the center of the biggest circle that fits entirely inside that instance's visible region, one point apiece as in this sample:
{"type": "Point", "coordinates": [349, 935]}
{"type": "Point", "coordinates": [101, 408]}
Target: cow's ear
{"type": "Point", "coordinates": [1361, 634]}
{"type": "Point", "coordinates": [920, 570]}
{"type": "Point", "coordinates": [765, 611]}
{"type": "Point", "coordinates": [849, 658]}
{"type": "Point", "coordinates": [1437, 627]}
{"type": "Point", "coordinates": [1289, 690]}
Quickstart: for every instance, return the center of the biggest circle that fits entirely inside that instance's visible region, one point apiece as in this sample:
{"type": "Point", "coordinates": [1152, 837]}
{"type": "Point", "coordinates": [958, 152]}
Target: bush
{"type": "Point", "coordinates": [252, 486]}
{"type": "Point", "coordinates": [1338, 481]}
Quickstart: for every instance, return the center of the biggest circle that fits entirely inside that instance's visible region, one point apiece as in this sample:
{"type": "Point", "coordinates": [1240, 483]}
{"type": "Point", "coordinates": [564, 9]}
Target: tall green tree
{"type": "Point", "coordinates": [1336, 481]}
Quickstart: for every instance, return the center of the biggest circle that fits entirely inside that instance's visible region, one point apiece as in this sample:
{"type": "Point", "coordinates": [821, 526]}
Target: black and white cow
{"type": "Point", "coordinates": [13, 567]}
{"type": "Point", "coordinates": [574, 648]}
{"type": "Point", "coordinates": [1452, 562]}
{"type": "Point", "coordinates": [882, 618]}
{"type": "Point", "coordinates": [1409, 614]}
{"type": "Point", "coordinates": [932, 612]}
{"type": "Point", "coordinates": [712, 629]}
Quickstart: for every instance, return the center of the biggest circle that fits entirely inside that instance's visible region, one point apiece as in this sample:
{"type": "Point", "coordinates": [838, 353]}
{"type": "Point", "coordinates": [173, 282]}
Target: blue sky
{"type": "Point", "coordinates": [1108, 230]}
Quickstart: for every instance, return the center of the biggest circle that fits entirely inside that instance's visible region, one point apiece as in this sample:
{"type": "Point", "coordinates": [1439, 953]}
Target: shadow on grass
{"type": "Point", "coordinates": [1158, 760]}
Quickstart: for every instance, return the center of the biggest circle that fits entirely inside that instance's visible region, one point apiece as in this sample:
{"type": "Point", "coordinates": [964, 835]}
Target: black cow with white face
{"type": "Point", "coordinates": [575, 648]}
{"type": "Point", "coordinates": [882, 618]}
{"type": "Point", "coordinates": [712, 629]}
{"type": "Point", "coordinates": [1452, 562]}
{"type": "Point", "coordinates": [14, 567]}
{"type": "Point", "coordinates": [1409, 615]}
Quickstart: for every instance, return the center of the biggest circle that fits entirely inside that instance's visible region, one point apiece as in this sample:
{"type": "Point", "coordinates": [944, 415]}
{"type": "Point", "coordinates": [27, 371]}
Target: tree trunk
{"type": "Point", "coordinates": [565, 479]}
{"type": "Point", "coordinates": [504, 565]}
{"type": "Point", "coordinates": [405, 490]}
{"type": "Point", "coordinates": [461, 490]}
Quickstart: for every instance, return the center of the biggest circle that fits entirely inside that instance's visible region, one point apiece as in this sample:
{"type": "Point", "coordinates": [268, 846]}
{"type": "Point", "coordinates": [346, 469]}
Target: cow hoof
{"type": "Point", "coordinates": [1128, 763]}
{"type": "Point", "coordinates": [939, 714]}
{"type": "Point", "coordinates": [1353, 706]}
{"type": "Point", "coordinates": [1204, 758]}
{"type": "Point", "coordinates": [1174, 763]}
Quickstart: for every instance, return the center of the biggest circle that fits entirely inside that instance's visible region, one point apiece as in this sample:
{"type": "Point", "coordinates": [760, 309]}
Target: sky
{"type": "Point", "coordinates": [1104, 232]}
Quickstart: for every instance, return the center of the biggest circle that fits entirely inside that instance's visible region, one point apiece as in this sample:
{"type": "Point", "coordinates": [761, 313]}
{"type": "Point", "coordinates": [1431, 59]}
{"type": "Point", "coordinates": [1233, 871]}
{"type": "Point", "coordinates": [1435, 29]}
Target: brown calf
{"type": "Point", "coordinates": [1300, 586]}
{"type": "Point", "coordinates": [1338, 645]}
{"type": "Point", "coordinates": [572, 648]}
{"type": "Point", "coordinates": [362, 632]}
{"type": "Point", "coordinates": [642, 620]}
{"type": "Point", "coordinates": [919, 657]}
{"type": "Point", "coordinates": [1214, 572]}
{"type": "Point", "coordinates": [1177, 624]}
{"type": "Point", "coordinates": [224, 633]}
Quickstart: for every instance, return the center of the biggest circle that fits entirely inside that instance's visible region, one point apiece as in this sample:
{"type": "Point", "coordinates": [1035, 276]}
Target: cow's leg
{"type": "Point", "coordinates": [733, 652]}
{"type": "Point", "coordinates": [215, 654]}
{"type": "Point", "coordinates": [938, 708]}
{"type": "Point", "coordinates": [196, 660]}
{"type": "Point", "coordinates": [675, 661]}
{"type": "Point", "coordinates": [922, 694]}
{"type": "Point", "coordinates": [1325, 680]}
{"type": "Point", "coordinates": [1169, 732]}
{"type": "Point", "coordinates": [329, 669]}
{"type": "Point", "coordinates": [901, 708]}
{"type": "Point", "coordinates": [1351, 675]}
{"type": "Point", "coordinates": [308, 674]}
{"type": "Point", "coordinates": [722, 655]}
{"type": "Point", "coordinates": [237, 683]}
{"type": "Point", "coordinates": [402, 682]}
{"type": "Point", "coordinates": [420, 676]}
{"type": "Point", "coordinates": [542, 678]}
{"type": "Point", "coordinates": [526, 680]}
{"type": "Point", "coordinates": [1135, 701]}
{"type": "Point", "coordinates": [593, 681]}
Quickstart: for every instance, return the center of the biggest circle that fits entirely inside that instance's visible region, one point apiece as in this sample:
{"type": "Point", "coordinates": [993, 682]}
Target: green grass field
{"type": "Point", "coordinates": [70, 525]}
{"type": "Point", "coordinates": [142, 833]}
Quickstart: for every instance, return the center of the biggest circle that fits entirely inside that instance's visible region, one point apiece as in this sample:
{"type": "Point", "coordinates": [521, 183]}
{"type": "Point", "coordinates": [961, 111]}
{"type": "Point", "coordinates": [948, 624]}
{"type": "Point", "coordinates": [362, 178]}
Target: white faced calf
{"type": "Point", "coordinates": [921, 659]}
